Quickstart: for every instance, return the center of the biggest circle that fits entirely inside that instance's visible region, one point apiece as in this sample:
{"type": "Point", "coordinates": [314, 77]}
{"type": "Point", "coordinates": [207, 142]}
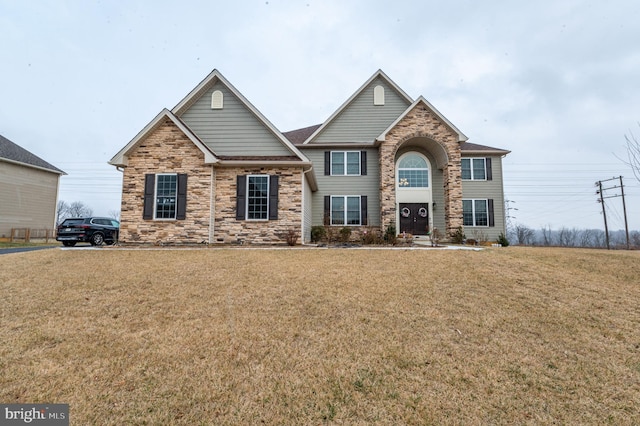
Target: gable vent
{"type": "Point", "coordinates": [217, 100]}
{"type": "Point", "coordinates": [378, 95]}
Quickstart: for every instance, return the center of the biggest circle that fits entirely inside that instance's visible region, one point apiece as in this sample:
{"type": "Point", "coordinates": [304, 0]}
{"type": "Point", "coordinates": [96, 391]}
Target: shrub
{"type": "Point", "coordinates": [291, 237]}
{"type": "Point", "coordinates": [345, 234]}
{"type": "Point", "coordinates": [317, 233]}
{"type": "Point", "coordinates": [457, 236]}
{"type": "Point", "coordinates": [390, 234]}
{"type": "Point", "coordinates": [502, 240]}
{"type": "Point", "coordinates": [371, 235]}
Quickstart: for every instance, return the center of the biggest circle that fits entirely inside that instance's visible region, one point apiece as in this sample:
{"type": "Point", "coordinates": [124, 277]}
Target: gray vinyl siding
{"type": "Point", "coordinates": [437, 188]}
{"type": "Point", "coordinates": [307, 213]}
{"type": "Point", "coordinates": [233, 130]}
{"type": "Point", "coordinates": [490, 189]}
{"type": "Point", "coordinates": [368, 185]}
{"type": "Point", "coordinates": [28, 198]}
{"type": "Point", "coordinates": [361, 121]}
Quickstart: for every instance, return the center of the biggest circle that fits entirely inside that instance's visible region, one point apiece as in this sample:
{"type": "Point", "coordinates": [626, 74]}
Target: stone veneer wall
{"type": "Point", "coordinates": [229, 230]}
{"type": "Point", "coordinates": [166, 150]}
{"type": "Point", "coordinates": [421, 123]}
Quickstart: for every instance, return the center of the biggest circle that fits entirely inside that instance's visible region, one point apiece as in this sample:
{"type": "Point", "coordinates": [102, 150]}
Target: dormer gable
{"type": "Point", "coordinates": [375, 105]}
{"type": "Point", "coordinates": [229, 125]}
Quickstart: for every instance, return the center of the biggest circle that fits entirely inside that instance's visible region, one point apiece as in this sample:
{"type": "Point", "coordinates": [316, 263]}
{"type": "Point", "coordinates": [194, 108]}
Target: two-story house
{"type": "Point", "coordinates": [214, 169]}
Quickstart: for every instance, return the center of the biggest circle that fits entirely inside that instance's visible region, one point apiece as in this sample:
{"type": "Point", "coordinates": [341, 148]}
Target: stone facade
{"type": "Point", "coordinates": [166, 150]}
{"type": "Point", "coordinates": [227, 229]}
{"type": "Point", "coordinates": [421, 122]}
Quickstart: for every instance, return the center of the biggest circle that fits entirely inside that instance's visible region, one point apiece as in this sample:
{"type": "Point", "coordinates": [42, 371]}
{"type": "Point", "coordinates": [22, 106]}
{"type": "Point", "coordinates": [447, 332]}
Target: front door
{"type": "Point", "coordinates": [414, 218]}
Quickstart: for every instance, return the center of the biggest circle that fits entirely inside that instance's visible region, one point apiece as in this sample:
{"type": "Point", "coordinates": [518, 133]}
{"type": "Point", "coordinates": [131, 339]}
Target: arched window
{"type": "Point", "coordinates": [378, 95]}
{"type": "Point", "coordinates": [217, 100]}
{"type": "Point", "coordinates": [413, 172]}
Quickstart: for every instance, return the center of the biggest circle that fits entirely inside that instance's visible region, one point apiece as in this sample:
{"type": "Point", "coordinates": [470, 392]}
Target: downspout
{"type": "Point", "coordinates": [304, 212]}
{"type": "Point", "coordinates": [212, 209]}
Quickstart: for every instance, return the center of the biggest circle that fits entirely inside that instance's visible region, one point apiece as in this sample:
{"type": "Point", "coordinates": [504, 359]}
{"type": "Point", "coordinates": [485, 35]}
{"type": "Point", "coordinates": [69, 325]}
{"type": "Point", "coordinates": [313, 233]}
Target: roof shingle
{"type": "Point", "coordinates": [14, 152]}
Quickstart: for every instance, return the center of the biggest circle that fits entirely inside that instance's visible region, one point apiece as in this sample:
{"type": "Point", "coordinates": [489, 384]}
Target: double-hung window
{"type": "Point", "coordinates": [165, 196]}
{"type": "Point", "coordinates": [258, 197]}
{"type": "Point", "coordinates": [346, 210]}
{"type": "Point", "coordinates": [475, 212]}
{"type": "Point", "coordinates": [475, 168]}
{"type": "Point", "coordinates": [345, 163]}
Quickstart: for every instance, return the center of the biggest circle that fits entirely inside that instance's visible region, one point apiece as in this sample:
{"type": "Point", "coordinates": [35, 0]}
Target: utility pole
{"type": "Point", "coordinates": [624, 209]}
{"type": "Point", "coordinates": [604, 213]}
{"type": "Point", "coordinates": [601, 191]}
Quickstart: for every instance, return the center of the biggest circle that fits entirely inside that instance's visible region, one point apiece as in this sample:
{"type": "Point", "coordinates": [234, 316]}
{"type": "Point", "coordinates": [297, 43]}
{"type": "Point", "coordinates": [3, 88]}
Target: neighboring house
{"type": "Point", "coordinates": [214, 169]}
{"type": "Point", "coordinates": [28, 190]}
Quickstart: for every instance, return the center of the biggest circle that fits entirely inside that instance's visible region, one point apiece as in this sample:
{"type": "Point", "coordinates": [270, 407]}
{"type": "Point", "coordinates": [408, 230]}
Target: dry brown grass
{"type": "Point", "coordinates": [501, 336]}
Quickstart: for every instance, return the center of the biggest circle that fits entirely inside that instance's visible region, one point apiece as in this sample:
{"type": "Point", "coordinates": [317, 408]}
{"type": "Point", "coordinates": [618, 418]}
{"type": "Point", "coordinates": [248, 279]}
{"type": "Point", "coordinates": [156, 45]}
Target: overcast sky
{"type": "Point", "coordinates": [555, 82]}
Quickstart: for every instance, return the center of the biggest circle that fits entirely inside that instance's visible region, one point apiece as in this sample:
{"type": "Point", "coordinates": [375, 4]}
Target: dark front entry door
{"type": "Point", "coordinates": [414, 218]}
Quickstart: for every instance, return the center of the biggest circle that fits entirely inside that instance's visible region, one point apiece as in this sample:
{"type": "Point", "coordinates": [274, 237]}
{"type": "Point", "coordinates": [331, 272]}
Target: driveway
{"type": "Point", "coordinates": [23, 249]}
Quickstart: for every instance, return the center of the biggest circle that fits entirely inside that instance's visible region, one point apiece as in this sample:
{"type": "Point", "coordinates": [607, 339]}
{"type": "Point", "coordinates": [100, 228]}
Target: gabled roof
{"type": "Point", "coordinates": [14, 153]}
{"type": "Point", "coordinates": [422, 100]}
{"type": "Point", "coordinates": [214, 77]}
{"type": "Point", "coordinates": [377, 74]}
{"type": "Point", "coordinates": [120, 159]}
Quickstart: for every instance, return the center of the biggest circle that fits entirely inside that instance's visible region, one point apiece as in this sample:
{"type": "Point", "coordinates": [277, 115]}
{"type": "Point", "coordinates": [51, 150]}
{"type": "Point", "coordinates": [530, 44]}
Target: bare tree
{"type": "Point", "coordinates": [524, 235]}
{"type": "Point", "coordinates": [547, 236]}
{"type": "Point", "coordinates": [114, 214]}
{"type": "Point", "coordinates": [75, 209]}
{"type": "Point", "coordinates": [567, 237]}
{"type": "Point", "coordinates": [61, 211]}
{"type": "Point", "coordinates": [633, 153]}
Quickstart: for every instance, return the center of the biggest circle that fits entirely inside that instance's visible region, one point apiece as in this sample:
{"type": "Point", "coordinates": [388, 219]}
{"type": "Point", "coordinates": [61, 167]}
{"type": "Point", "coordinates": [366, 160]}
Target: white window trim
{"type": "Point", "coordinates": [246, 209]}
{"type": "Point", "coordinates": [155, 198]}
{"type": "Point", "coordinates": [344, 153]}
{"type": "Point", "coordinates": [345, 197]}
{"type": "Point", "coordinates": [473, 211]}
{"type": "Point", "coordinates": [484, 160]}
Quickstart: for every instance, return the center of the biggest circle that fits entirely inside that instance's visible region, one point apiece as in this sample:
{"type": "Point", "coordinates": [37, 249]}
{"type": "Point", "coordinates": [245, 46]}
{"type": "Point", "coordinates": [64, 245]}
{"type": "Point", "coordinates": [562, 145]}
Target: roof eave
{"type": "Point", "coordinates": [121, 158]}
{"type": "Point", "coordinates": [461, 136]}
{"type": "Point", "coordinates": [32, 166]}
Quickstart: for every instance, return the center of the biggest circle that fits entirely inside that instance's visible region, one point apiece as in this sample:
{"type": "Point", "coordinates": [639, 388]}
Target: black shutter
{"type": "Point", "coordinates": [241, 196]}
{"type": "Point", "coordinates": [363, 163]}
{"type": "Point", "coordinates": [149, 192]}
{"type": "Point", "coordinates": [273, 197]}
{"type": "Point", "coordinates": [489, 172]}
{"type": "Point", "coordinates": [326, 220]}
{"type": "Point", "coordinates": [181, 212]}
{"type": "Point", "coordinates": [363, 210]}
{"type": "Point", "coordinates": [492, 221]}
{"type": "Point", "coordinates": [327, 163]}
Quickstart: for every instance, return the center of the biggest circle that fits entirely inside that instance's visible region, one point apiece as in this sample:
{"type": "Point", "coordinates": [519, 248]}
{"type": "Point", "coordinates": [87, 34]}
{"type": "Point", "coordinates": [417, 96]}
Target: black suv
{"type": "Point", "coordinates": [94, 230]}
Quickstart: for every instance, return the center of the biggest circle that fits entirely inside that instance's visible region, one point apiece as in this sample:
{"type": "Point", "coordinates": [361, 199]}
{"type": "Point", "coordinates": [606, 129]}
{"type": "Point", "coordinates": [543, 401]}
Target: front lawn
{"type": "Point", "coordinates": [337, 336]}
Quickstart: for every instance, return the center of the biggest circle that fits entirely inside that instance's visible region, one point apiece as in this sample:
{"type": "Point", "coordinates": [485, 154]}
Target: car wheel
{"type": "Point", "coordinates": [97, 239]}
{"type": "Point", "coordinates": [68, 243]}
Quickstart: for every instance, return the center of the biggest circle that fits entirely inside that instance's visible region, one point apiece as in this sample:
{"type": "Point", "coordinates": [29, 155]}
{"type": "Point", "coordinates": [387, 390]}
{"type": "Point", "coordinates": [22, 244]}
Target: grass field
{"type": "Point", "coordinates": [337, 336]}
